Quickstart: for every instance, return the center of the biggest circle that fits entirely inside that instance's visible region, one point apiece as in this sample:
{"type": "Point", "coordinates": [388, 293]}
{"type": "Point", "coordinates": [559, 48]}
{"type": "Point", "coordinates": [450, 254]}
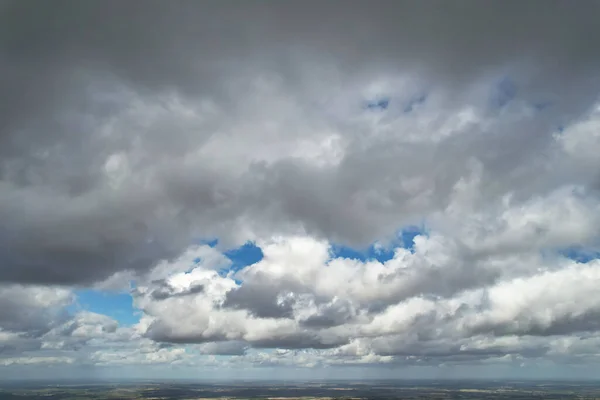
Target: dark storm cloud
{"type": "Point", "coordinates": [69, 69]}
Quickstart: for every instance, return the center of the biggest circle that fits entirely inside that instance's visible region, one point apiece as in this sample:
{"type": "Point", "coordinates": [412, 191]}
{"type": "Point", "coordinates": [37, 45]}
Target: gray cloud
{"type": "Point", "coordinates": [261, 301]}
{"type": "Point", "coordinates": [165, 291]}
{"type": "Point", "coordinates": [32, 311]}
{"type": "Point", "coordinates": [231, 348]}
{"type": "Point", "coordinates": [82, 83]}
{"type": "Point", "coordinates": [333, 314]}
{"type": "Point", "coordinates": [298, 340]}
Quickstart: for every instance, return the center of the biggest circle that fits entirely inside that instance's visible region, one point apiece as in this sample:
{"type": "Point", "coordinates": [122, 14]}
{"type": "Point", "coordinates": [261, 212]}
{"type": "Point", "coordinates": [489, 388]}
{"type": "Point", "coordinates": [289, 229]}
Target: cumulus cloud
{"type": "Point", "coordinates": [32, 310]}
{"type": "Point", "coordinates": [134, 133]}
{"type": "Point", "coordinates": [429, 309]}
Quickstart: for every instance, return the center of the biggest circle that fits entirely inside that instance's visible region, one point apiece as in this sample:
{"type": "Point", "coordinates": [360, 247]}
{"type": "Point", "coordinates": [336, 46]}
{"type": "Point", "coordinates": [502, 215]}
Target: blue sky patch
{"type": "Point", "coordinates": [118, 306]}
{"type": "Point", "coordinates": [408, 234]}
{"type": "Point", "coordinates": [243, 256]}
{"type": "Point", "coordinates": [240, 257]}
{"type": "Point", "coordinates": [580, 254]}
{"type": "Point", "coordinates": [404, 238]}
{"type": "Point", "coordinates": [371, 253]}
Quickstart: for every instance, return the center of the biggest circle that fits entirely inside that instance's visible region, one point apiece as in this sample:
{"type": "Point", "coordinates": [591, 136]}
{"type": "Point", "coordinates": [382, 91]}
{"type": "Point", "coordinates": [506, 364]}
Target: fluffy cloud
{"type": "Point", "coordinates": [32, 310]}
{"type": "Point", "coordinates": [133, 133]}
{"type": "Point", "coordinates": [424, 304]}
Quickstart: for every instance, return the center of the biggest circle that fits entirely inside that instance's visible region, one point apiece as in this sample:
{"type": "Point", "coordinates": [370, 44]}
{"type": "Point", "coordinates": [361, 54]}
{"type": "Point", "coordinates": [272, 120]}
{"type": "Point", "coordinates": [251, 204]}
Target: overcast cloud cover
{"type": "Point", "coordinates": [142, 141]}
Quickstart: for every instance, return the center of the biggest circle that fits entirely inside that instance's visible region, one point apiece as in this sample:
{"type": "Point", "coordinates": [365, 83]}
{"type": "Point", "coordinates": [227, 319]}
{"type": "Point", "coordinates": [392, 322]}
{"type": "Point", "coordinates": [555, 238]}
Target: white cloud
{"type": "Point", "coordinates": [35, 360]}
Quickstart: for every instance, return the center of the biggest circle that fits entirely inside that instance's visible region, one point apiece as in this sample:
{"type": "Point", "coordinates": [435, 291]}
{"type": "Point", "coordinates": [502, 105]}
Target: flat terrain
{"type": "Point", "coordinates": [307, 390]}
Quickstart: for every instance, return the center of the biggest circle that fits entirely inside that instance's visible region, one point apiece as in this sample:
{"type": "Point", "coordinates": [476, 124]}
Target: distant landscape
{"type": "Point", "coordinates": [305, 390]}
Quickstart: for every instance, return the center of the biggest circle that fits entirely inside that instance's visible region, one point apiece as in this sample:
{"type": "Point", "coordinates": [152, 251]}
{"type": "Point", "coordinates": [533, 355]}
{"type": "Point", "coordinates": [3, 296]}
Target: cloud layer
{"type": "Point", "coordinates": [132, 133]}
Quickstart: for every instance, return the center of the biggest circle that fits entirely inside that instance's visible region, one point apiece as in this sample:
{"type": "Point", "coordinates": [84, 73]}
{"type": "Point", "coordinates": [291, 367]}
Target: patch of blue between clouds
{"type": "Point", "coordinates": [243, 256]}
{"type": "Point", "coordinates": [504, 91]}
{"type": "Point", "coordinates": [405, 238]}
{"type": "Point", "coordinates": [580, 254]}
{"type": "Point", "coordinates": [118, 306]}
{"type": "Point", "coordinates": [240, 257]}
{"type": "Point", "coordinates": [211, 242]}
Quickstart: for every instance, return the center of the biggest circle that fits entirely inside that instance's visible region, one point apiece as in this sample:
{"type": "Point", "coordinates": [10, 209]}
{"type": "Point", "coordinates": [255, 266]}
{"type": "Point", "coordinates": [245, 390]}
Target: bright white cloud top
{"type": "Point", "coordinates": [243, 175]}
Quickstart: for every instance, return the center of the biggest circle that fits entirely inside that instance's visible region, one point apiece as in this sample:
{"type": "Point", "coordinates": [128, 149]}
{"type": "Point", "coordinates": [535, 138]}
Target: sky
{"type": "Point", "coordinates": [299, 189]}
